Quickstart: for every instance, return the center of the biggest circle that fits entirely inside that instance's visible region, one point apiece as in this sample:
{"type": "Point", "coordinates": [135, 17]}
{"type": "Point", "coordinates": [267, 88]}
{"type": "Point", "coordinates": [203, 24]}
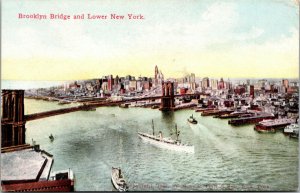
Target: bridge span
{"type": "Point", "coordinates": [94, 104]}
{"type": "Point", "coordinates": [13, 119]}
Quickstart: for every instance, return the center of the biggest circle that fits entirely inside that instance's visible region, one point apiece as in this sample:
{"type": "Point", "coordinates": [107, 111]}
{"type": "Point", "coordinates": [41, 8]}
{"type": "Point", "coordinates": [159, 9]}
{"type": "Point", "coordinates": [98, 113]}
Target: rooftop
{"type": "Point", "coordinates": [25, 165]}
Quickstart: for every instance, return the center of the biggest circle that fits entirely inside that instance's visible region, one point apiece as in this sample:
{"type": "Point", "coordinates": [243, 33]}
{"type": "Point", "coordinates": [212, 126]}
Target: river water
{"type": "Point", "coordinates": [226, 158]}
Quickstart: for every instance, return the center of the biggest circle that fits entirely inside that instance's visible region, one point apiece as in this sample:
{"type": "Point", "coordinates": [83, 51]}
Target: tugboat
{"type": "Point", "coordinates": [166, 143]}
{"type": "Point", "coordinates": [192, 120]}
{"type": "Point", "coordinates": [118, 180]}
{"type": "Point", "coordinates": [51, 137]}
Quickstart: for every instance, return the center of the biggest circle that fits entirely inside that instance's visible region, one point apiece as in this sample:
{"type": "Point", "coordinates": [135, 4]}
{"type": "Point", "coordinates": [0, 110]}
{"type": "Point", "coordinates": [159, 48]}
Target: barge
{"type": "Point", "coordinates": [249, 120]}
{"type": "Point", "coordinates": [271, 125]}
{"type": "Point", "coordinates": [235, 115]}
{"type": "Point", "coordinates": [215, 112]}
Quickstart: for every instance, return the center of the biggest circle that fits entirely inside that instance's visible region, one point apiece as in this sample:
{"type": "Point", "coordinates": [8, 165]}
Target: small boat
{"type": "Point", "coordinates": [51, 137]}
{"type": "Point", "coordinates": [155, 107]}
{"type": "Point", "coordinates": [192, 120]}
{"type": "Point", "coordinates": [125, 105]}
{"type": "Point", "coordinates": [166, 143]}
{"type": "Point", "coordinates": [292, 130]}
{"type": "Point", "coordinates": [118, 180]}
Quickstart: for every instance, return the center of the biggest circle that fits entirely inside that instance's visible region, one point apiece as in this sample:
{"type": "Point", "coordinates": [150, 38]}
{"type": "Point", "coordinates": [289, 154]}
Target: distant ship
{"type": "Point", "coordinates": [167, 143]}
{"type": "Point", "coordinates": [118, 180]}
{"type": "Point", "coordinates": [292, 130]}
{"type": "Point", "coordinates": [192, 120]}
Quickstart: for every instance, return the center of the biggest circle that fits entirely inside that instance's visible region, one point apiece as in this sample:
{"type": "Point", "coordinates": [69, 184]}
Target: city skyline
{"type": "Point", "coordinates": [234, 39]}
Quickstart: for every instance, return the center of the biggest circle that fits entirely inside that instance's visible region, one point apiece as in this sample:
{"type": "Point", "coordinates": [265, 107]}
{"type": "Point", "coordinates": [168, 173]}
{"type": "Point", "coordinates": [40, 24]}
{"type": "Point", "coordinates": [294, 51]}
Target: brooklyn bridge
{"type": "Point", "coordinates": [13, 119]}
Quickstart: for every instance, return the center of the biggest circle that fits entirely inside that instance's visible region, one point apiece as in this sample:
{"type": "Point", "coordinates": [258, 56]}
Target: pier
{"type": "Point", "coordinates": [215, 112]}
{"type": "Point", "coordinates": [249, 120]}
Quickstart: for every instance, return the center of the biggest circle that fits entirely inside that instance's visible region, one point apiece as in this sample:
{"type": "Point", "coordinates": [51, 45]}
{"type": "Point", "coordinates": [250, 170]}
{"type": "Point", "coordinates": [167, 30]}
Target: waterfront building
{"type": "Point", "coordinates": [205, 82]}
{"type": "Point", "coordinates": [285, 83]}
{"type": "Point", "coordinates": [104, 87]}
{"type": "Point", "coordinates": [146, 85]}
{"type": "Point", "coordinates": [214, 84]}
{"type": "Point", "coordinates": [248, 82]}
{"type": "Point", "coordinates": [240, 89]}
{"type": "Point", "coordinates": [221, 84]}
{"type": "Point", "coordinates": [251, 91]}
{"type": "Point", "coordinates": [139, 85]}
{"type": "Point", "coordinates": [128, 77]}
{"type": "Point", "coordinates": [110, 82]}
{"type": "Point", "coordinates": [132, 85]}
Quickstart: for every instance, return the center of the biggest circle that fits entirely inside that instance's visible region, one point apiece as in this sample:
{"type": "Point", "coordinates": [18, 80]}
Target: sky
{"type": "Point", "coordinates": [211, 38]}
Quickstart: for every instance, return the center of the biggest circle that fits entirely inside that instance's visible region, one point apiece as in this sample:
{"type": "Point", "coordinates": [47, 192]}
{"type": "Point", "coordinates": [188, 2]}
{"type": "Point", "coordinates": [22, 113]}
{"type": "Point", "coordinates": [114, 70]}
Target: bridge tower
{"type": "Point", "coordinates": [12, 120]}
{"type": "Point", "coordinates": [167, 99]}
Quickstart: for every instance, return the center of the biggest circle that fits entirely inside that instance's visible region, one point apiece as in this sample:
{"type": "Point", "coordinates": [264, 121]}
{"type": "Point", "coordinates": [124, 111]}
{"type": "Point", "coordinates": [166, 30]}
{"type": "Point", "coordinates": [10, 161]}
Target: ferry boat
{"type": "Point", "coordinates": [166, 143]}
{"type": "Point", "coordinates": [118, 180]}
{"type": "Point", "coordinates": [270, 125]}
{"type": "Point", "coordinates": [192, 120]}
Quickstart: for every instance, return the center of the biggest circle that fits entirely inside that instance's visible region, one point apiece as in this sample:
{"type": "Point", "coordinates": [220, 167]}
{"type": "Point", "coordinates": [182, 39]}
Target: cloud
{"type": "Point", "coordinates": [214, 25]}
{"type": "Point", "coordinates": [252, 34]}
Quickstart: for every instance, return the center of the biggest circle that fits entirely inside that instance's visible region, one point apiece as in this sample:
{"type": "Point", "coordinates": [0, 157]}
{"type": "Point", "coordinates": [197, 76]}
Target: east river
{"type": "Point", "coordinates": [225, 158]}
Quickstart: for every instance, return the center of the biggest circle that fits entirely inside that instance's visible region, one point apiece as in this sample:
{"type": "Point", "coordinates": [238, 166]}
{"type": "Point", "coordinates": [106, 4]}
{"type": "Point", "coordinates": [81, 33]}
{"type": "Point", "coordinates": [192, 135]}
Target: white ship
{"type": "Point", "coordinates": [292, 128]}
{"type": "Point", "coordinates": [166, 143]}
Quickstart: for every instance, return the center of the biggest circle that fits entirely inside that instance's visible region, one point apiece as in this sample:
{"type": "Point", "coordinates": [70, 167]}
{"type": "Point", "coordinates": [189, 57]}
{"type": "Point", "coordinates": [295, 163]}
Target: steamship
{"type": "Point", "coordinates": [166, 143]}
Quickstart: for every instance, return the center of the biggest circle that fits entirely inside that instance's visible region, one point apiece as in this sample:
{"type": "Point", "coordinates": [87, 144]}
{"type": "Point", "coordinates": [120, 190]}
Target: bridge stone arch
{"type": "Point", "coordinates": [12, 120]}
{"type": "Point", "coordinates": [167, 99]}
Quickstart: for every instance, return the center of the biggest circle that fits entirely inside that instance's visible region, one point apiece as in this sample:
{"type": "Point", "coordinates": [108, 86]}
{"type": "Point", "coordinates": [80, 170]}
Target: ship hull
{"type": "Point", "coordinates": [174, 147]}
{"type": "Point", "coordinates": [262, 129]}
{"type": "Point", "coordinates": [114, 181]}
{"type": "Point", "coordinates": [192, 122]}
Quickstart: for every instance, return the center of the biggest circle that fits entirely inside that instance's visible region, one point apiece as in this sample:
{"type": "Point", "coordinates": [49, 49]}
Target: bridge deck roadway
{"type": "Point", "coordinates": [93, 104]}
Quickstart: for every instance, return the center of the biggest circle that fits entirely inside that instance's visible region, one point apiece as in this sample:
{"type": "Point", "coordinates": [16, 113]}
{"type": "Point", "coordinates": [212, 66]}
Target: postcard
{"type": "Point", "coordinates": [107, 95]}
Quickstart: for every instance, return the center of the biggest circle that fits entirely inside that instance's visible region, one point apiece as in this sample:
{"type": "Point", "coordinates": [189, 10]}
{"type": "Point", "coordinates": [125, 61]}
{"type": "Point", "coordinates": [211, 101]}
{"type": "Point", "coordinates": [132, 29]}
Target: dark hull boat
{"type": "Point", "coordinates": [192, 120]}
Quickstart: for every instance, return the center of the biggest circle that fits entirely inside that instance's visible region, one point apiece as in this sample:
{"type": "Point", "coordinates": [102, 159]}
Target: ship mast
{"type": "Point", "coordinates": [152, 128]}
{"type": "Point", "coordinates": [176, 132]}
